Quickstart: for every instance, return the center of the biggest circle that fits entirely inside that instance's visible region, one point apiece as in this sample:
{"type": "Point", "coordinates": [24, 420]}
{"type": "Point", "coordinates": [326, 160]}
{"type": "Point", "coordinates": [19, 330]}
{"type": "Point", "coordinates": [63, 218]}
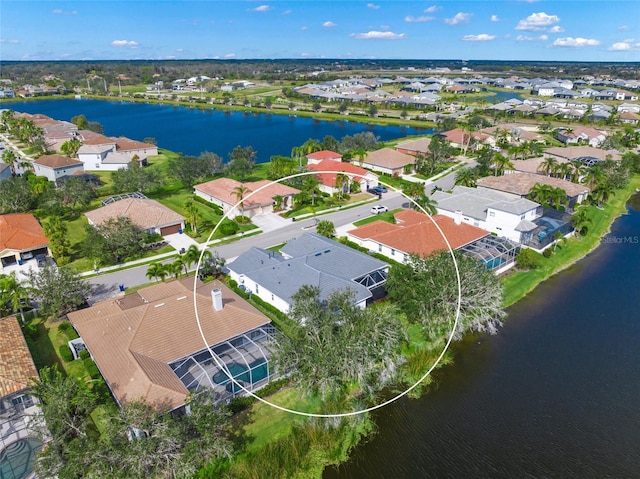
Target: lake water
{"type": "Point", "coordinates": [192, 131]}
{"type": "Point", "coordinates": [555, 394]}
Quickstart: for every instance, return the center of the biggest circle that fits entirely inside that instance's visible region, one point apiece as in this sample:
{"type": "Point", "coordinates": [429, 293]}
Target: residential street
{"type": "Point", "coordinates": [107, 285]}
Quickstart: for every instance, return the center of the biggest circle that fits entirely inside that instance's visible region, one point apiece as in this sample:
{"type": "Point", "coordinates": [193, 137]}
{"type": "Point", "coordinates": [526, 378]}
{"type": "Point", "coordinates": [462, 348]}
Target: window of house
{"type": "Point", "coordinates": [257, 289]}
{"type": "Point", "coordinates": [271, 297]}
{"type": "Point", "coordinates": [393, 252]}
{"type": "Point", "coordinates": [379, 248]}
{"type": "Point", "coordinates": [492, 214]}
{"type": "Point", "coordinates": [97, 165]}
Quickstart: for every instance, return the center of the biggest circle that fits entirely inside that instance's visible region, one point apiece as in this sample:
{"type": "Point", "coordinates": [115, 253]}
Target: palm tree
{"type": "Point", "coordinates": [156, 270]}
{"type": "Point", "coordinates": [11, 159]}
{"type": "Point", "coordinates": [326, 228]}
{"type": "Point", "coordinates": [342, 184]}
{"type": "Point", "coordinates": [540, 193]}
{"type": "Point", "coordinates": [13, 294]}
{"type": "Point", "coordinates": [501, 163]}
{"type": "Point", "coordinates": [428, 204]}
{"type": "Point", "coordinates": [192, 255]}
{"type": "Point", "coordinates": [466, 177]}
{"type": "Point", "coordinates": [175, 268]}
{"type": "Point", "coordinates": [311, 146]}
{"type": "Point", "coordinates": [413, 190]}
{"type": "Point", "coordinates": [240, 192]}
{"type": "Point", "coordinates": [594, 177]}
{"type": "Point", "coordinates": [558, 198]}
{"type": "Point", "coordinates": [601, 193]}
{"type": "Point", "coordinates": [192, 215]}
{"type": "Point", "coordinates": [564, 170]}
{"type": "Point", "coordinates": [581, 221]}
{"type": "Point", "coordinates": [297, 152]}
{"type": "Point", "coordinates": [548, 165]}
{"type": "Point", "coordinates": [361, 154]}
{"type": "Point", "coordinates": [70, 147]}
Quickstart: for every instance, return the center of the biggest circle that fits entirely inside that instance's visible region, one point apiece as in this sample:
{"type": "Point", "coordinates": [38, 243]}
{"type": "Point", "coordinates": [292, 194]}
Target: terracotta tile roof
{"type": "Point", "coordinates": [415, 232]}
{"type": "Point", "coordinates": [418, 145]}
{"type": "Point", "coordinates": [21, 232]}
{"type": "Point", "coordinates": [144, 213]}
{"type": "Point", "coordinates": [223, 188]}
{"type": "Point", "coordinates": [126, 144]}
{"type": "Point", "coordinates": [96, 139]}
{"type": "Point", "coordinates": [16, 364]}
{"type": "Point", "coordinates": [56, 161]}
{"type": "Point", "coordinates": [534, 165]}
{"type": "Point", "coordinates": [520, 183]}
{"type": "Point", "coordinates": [460, 136]}
{"type": "Point", "coordinates": [324, 155]}
{"type": "Point", "coordinates": [133, 344]}
{"type": "Point", "coordinates": [389, 158]}
{"type": "Point", "coordinates": [329, 179]}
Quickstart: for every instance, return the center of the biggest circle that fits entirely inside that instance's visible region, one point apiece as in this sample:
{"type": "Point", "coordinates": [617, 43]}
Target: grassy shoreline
{"type": "Point", "coordinates": [520, 284]}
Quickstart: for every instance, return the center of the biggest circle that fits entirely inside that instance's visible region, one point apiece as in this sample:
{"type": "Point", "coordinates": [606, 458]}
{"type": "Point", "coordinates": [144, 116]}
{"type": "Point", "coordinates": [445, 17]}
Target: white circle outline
{"type": "Point", "coordinates": [225, 369]}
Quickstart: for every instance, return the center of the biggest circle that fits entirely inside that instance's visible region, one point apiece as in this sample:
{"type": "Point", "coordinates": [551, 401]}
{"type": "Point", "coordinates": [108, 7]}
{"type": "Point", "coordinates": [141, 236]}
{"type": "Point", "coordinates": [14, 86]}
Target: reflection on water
{"type": "Point", "coordinates": [553, 395]}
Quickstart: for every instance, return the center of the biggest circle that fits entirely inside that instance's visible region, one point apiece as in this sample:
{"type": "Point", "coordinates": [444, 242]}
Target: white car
{"type": "Point", "coordinates": [376, 209]}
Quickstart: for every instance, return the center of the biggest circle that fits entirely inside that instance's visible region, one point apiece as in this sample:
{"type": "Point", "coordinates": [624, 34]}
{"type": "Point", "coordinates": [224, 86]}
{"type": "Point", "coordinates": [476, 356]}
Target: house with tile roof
{"type": "Point", "coordinates": [503, 214]}
{"type": "Point", "coordinates": [18, 441]}
{"type": "Point", "coordinates": [258, 199]}
{"type": "Point", "coordinates": [581, 135]}
{"type": "Point", "coordinates": [21, 239]}
{"type": "Point", "coordinates": [310, 259]}
{"type": "Point", "coordinates": [54, 167]}
{"type": "Point", "coordinates": [147, 214]}
{"type": "Point", "coordinates": [389, 161]}
{"type": "Point", "coordinates": [576, 153]}
{"type": "Point", "coordinates": [329, 172]}
{"type": "Point", "coordinates": [520, 183]}
{"type": "Point", "coordinates": [459, 138]}
{"type": "Point", "coordinates": [110, 153]}
{"type": "Point", "coordinates": [414, 233]}
{"type": "Point", "coordinates": [164, 341]}
{"type": "Point", "coordinates": [318, 156]}
{"type": "Point", "coordinates": [417, 146]}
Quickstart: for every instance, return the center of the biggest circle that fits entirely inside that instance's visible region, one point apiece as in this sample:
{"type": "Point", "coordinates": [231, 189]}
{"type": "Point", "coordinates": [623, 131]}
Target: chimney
{"type": "Point", "coordinates": [216, 296]}
{"type": "Point", "coordinates": [458, 217]}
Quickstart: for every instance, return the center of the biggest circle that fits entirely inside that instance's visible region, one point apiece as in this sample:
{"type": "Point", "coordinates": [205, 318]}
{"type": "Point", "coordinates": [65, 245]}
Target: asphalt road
{"type": "Point", "coordinates": [107, 285]}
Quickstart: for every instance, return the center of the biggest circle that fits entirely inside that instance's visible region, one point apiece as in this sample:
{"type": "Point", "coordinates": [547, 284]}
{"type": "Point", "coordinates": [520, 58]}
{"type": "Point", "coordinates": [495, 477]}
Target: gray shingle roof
{"type": "Point", "coordinates": [473, 202]}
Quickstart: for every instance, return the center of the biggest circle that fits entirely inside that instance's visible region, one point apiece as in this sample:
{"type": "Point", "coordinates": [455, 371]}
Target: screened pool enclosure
{"type": "Point", "coordinates": [245, 358]}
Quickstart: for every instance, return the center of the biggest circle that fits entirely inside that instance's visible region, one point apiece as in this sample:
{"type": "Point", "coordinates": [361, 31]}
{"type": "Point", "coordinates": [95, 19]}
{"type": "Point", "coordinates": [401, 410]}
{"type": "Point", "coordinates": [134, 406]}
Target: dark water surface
{"type": "Point", "coordinates": [192, 131]}
{"type": "Point", "coordinates": [556, 394]}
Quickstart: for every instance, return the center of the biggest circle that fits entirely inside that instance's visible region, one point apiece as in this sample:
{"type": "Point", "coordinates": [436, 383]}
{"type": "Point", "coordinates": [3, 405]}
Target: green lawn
{"type": "Point", "coordinates": [521, 283]}
{"type": "Point", "coordinates": [388, 217]}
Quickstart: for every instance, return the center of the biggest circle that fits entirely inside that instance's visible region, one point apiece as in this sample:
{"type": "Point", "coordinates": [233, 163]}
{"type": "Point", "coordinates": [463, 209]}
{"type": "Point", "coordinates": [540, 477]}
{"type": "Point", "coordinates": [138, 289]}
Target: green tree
{"type": "Point", "coordinates": [466, 177]}
{"type": "Point", "coordinates": [241, 162]}
{"type": "Point", "coordinates": [16, 195]}
{"type": "Point", "coordinates": [372, 111]}
{"type": "Point", "coordinates": [75, 194]}
{"type": "Point", "coordinates": [13, 295]}
{"type": "Point", "coordinates": [70, 147]}
{"type": "Point", "coordinates": [335, 345]}
{"type": "Point", "coordinates": [427, 292]}
{"type": "Point", "coordinates": [57, 290]}
{"type": "Point", "coordinates": [500, 164]}
{"type": "Point", "coordinates": [192, 215]}
{"type": "Point", "coordinates": [240, 192]}
{"type": "Point", "coordinates": [191, 256]}
{"type": "Point", "coordinates": [326, 228]}
{"type": "Point", "coordinates": [156, 270]}
{"type": "Point", "coordinates": [56, 230]}
{"type": "Point", "coordinates": [189, 170]}
{"type": "Point", "coordinates": [136, 178]}
{"type": "Point", "coordinates": [413, 190]}
{"type": "Point", "coordinates": [11, 159]}
{"type": "Point", "coordinates": [114, 241]}
{"type": "Point", "coordinates": [581, 221]}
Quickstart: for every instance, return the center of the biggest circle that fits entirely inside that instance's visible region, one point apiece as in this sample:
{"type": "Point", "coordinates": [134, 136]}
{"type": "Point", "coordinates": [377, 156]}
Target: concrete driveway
{"type": "Point", "coordinates": [270, 222]}
{"type": "Point", "coordinates": [179, 241]}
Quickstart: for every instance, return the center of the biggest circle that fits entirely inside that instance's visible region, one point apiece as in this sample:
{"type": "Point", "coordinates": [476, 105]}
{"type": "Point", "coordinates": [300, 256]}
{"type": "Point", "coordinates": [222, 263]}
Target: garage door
{"type": "Point", "coordinates": [169, 230]}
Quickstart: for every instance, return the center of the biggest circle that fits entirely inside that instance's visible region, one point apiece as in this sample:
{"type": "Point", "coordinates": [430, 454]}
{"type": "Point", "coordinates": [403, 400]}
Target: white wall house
{"type": "Point", "coordinates": [54, 167]}
{"type": "Point", "coordinates": [500, 213]}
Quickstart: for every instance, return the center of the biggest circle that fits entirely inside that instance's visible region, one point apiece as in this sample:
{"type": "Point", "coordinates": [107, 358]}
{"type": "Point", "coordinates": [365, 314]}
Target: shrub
{"type": "Point", "coordinates": [65, 353]}
{"type": "Point", "coordinates": [547, 253]}
{"type": "Point", "coordinates": [243, 220]}
{"type": "Point", "coordinates": [91, 368]}
{"type": "Point", "coordinates": [84, 354]}
{"type": "Point", "coordinates": [67, 329]}
{"type": "Point", "coordinates": [228, 228]}
{"type": "Point", "coordinates": [527, 259]}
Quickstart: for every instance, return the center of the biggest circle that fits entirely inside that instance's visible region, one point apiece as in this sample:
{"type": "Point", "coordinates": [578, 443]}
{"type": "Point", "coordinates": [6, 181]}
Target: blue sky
{"type": "Point", "coordinates": [597, 30]}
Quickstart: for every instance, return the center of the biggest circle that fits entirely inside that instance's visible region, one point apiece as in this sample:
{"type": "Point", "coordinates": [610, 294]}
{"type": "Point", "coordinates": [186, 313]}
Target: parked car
{"type": "Point", "coordinates": [41, 260]}
{"type": "Point", "coordinates": [377, 209]}
{"type": "Point", "coordinates": [377, 190]}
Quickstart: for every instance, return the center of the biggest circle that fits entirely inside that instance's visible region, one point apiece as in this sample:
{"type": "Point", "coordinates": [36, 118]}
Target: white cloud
{"type": "Point", "coordinates": [229, 55]}
{"type": "Point", "coordinates": [261, 8]}
{"type": "Point", "coordinates": [625, 45]}
{"type": "Point", "coordinates": [483, 37]}
{"type": "Point", "coordinates": [556, 29]}
{"type": "Point", "coordinates": [373, 6]}
{"type": "Point", "coordinates": [125, 43]}
{"type": "Point", "coordinates": [304, 28]}
{"type": "Point", "coordinates": [329, 24]}
{"type": "Point", "coordinates": [373, 35]}
{"type": "Point", "coordinates": [432, 9]}
{"type": "Point", "coordinates": [526, 38]}
{"type": "Point", "coordinates": [180, 50]}
{"type": "Point", "coordinates": [12, 41]}
{"type": "Point", "coordinates": [623, 27]}
{"type": "Point", "coordinates": [59, 11]}
{"type": "Point", "coordinates": [537, 21]}
{"type": "Point", "coordinates": [494, 18]}
{"type": "Point", "coordinates": [423, 18]}
{"type": "Point", "coordinates": [576, 42]}
{"type": "Point", "coordinates": [460, 17]}
{"type": "Point", "coordinates": [287, 12]}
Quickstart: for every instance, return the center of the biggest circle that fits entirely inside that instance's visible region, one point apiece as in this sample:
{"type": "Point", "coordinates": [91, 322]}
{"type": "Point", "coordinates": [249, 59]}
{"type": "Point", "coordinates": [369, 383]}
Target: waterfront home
{"type": "Point", "coordinates": [21, 239]}
{"type": "Point", "coordinates": [147, 214]}
{"type": "Point", "coordinates": [103, 153]}
{"type": "Point", "coordinates": [19, 441]}
{"type": "Point", "coordinates": [581, 135]}
{"type": "Point", "coordinates": [418, 146]}
{"type": "Point", "coordinates": [576, 153]}
{"type": "Point", "coordinates": [247, 199]}
{"type": "Point", "coordinates": [53, 167]}
{"type": "Point", "coordinates": [421, 235]}
{"type": "Point", "coordinates": [310, 259]}
{"type": "Point", "coordinates": [459, 138]}
{"type": "Point", "coordinates": [318, 156]}
{"type": "Point", "coordinates": [389, 161]}
{"type": "Point", "coordinates": [521, 183]}
{"type": "Point", "coordinates": [337, 177]}
{"type": "Point", "coordinates": [152, 345]}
